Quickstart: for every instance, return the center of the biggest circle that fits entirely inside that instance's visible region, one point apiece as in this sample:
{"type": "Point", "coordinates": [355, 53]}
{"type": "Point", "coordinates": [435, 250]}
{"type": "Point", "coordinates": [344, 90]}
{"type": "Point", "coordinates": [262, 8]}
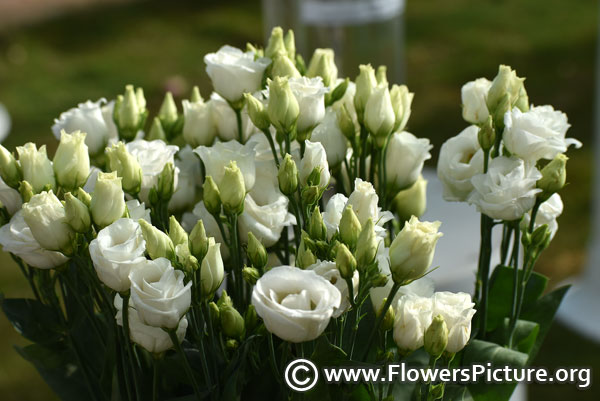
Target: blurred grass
{"type": "Point", "coordinates": [51, 66]}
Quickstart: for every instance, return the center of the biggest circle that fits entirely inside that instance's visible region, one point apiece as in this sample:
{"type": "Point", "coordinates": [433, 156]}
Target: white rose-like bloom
{"type": "Point", "coordinates": [152, 156]}
{"type": "Point", "coordinates": [159, 294]}
{"type": "Point", "coordinates": [225, 120]}
{"type": "Point", "coordinates": [117, 250]}
{"type": "Point", "coordinates": [16, 238]}
{"type": "Point", "coordinates": [10, 198]}
{"type": "Point", "coordinates": [461, 158]}
{"type": "Point", "coordinates": [234, 72]}
{"type": "Point", "coordinates": [310, 94]}
{"type": "Point", "coordinates": [295, 305]}
{"type": "Point", "coordinates": [93, 118]}
{"type": "Point", "coordinates": [153, 339]}
{"type": "Point", "coordinates": [188, 179]}
{"type": "Point", "coordinates": [405, 156]}
{"type": "Point", "coordinates": [474, 98]}
{"type": "Point", "coordinates": [198, 126]}
{"type": "Point", "coordinates": [329, 271]}
{"type": "Point", "coordinates": [507, 191]}
{"type": "Point", "coordinates": [537, 134]}
{"type": "Point", "coordinates": [413, 317]}
{"type": "Point", "coordinates": [333, 213]}
{"type": "Point", "coordinates": [36, 167]}
{"type": "Point", "coordinates": [364, 202]}
{"type": "Point", "coordinates": [457, 311]}
{"type": "Point", "coordinates": [547, 214]}
{"type": "Point", "coordinates": [217, 157]}
{"type": "Point", "coordinates": [45, 216]}
{"type": "Point", "coordinates": [329, 134]}
{"type": "Point", "coordinates": [138, 210]}
{"type": "Point", "coordinates": [314, 156]}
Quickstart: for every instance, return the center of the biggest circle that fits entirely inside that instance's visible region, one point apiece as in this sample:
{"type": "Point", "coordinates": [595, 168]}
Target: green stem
{"type": "Point", "coordinates": [154, 379]}
{"type": "Point", "coordinates": [364, 136]}
{"type": "Point", "coordinates": [387, 304]}
{"type": "Point", "coordinates": [186, 363]}
{"type": "Point", "coordinates": [427, 385]}
{"type": "Point", "coordinates": [485, 253]}
{"type": "Point", "coordinates": [272, 145]}
{"type": "Point", "coordinates": [238, 117]}
{"type": "Point", "coordinates": [125, 315]}
{"type": "Point", "coordinates": [515, 264]}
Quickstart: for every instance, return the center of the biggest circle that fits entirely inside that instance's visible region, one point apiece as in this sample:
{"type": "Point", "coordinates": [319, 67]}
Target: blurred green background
{"type": "Point", "coordinates": [61, 59]}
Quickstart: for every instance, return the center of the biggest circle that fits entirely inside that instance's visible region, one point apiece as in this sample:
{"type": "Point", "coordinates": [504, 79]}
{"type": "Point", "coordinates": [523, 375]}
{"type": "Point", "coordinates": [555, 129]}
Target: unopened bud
{"type": "Point", "coordinates": [166, 182]}
{"type": "Point", "coordinates": [311, 194]}
{"type": "Point", "coordinates": [365, 83]}
{"type": "Point", "coordinates": [250, 275]}
{"type": "Point", "coordinates": [156, 131]}
{"type": "Point", "coordinates": [251, 318]}
{"type": "Point", "coordinates": [127, 167]}
{"type": "Point", "coordinates": [322, 64]}
{"type": "Point", "coordinates": [388, 319]}
{"type": "Point", "coordinates": [232, 323]}
{"type": "Point", "coordinates": [168, 115]}
{"type": "Point", "coordinates": [198, 241]}
{"type": "Point", "coordinates": [411, 201]}
{"type": "Point", "coordinates": [381, 75]}
{"type": "Point", "coordinates": [345, 122]}
{"type": "Point", "coordinates": [316, 226]}
{"type": "Point", "coordinates": [275, 45]}
{"type": "Point", "coordinates": [212, 197]}
{"type": "Point", "coordinates": [257, 254]}
{"type": "Point", "coordinates": [349, 227]}
{"type": "Point", "coordinates": [436, 337]}
{"type": "Point", "coordinates": [158, 244]}
{"type": "Point", "coordinates": [288, 175]}
{"type": "Point", "coordinates": [305, 257]}
{"type": "Point", "coordinates": [26, 191]}
{"type": "Point", "coordinates": [284, 67]}
{"type": "Point", "coordinates": [176, 232]}
{"type": "Point", "coordinates": [487, 135]}
{"type": "Point", "coordinates": [345, 261]}
{"type": "Point", "coordinates": [9, 169]}
{"type": "Point", "coordinates": [554, 177]}
{"type": "Point", "coordinates": [366, 248]}
{"type": "Point", "coordinates": [77, 214]}
{"type": "Point", "coordinates": [257, 112]}
{"type": "Point", "coordinates": [283, 108]}
{"type": "Point", "coordinates": [232, 189]}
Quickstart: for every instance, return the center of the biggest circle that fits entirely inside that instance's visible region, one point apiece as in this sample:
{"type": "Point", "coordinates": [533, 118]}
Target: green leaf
{"type": "Point", "coordinates": [32, 319]}
{"type": "Point", "coordinates": [327, 354]}
{"type": "Point", "coordinates": [524, 337]}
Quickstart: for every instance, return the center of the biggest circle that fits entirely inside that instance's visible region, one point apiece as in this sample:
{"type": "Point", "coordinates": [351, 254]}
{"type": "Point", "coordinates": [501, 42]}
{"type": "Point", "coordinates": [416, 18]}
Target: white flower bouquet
{"type": "Point", "coordinates": [195, 255]}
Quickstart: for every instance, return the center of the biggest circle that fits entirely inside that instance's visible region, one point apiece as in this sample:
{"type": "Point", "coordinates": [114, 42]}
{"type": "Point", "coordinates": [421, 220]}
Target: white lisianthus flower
{"type": "Point", "coordinates": [461, 158]}
{"type": "Point", "coordinates": [71, 160]}
{"type": "Point", "coordinates": [93, 118]}
{"type": "Point", "coordinates": [333, 213]}
{"type": "Point", "coordinates": [537, 134]}
{"type": "Point", "coordinates": [10, 198]}
{"type": "Point", "coordinates": [117, 250]}
{"type": "Point", "coordinates": [138, 210]}
{"type": "Point", "coordinates": [295, 305]}
{"type": "Point", "coordinates": [217, 157]}
{"type": "Point", "coordinates": [152, 339]}
{"type": "Point", "coordinates": [364, 202]}
{"type": "Point", "coordinates": [474, 98]}
{"type": "Point", "coordinates": [329, 271]}
{"type": "Point", "coordinates": [413, 317]}
{"type": "Point", "coordinates": [198, 126]}
{"type": "Point", "coordinates": [225, 120]}
{"type": "Point", "coordinates": [310, 94]}
{"type": "Point", "coordinates": [188, 179]}
{"type": "Point", "coordinates": [45, 216]}
{"type": "Point", "coordinates": [159, 294]}
{"type": "Point", "coordinates": [90, 184]}
{"type": "Point", "coordinates": [405, 156]}
{"type": "Point", "coordinates": [266, 221]}
{"type": "Point", "coordinates": [152, 156]}
{"type": "Point", "coordinates": [547, 214]}
{"type": "Point", "coordinates": [36, 167]}
{"type": "Point", "coordinates": [16, 238]}
{"type": "Point", "coordinates": [329, 134]}
{"type": "Point", "coordinates": [314, 157]}
{"type": "Point", "coordinates": [507, 191]}
{"type": "Point", "coordinates": [234, 72]}
{"type": "Point", "coordinates": [108, 199]}
{"type": "Point", "coordinates": [457, 311]}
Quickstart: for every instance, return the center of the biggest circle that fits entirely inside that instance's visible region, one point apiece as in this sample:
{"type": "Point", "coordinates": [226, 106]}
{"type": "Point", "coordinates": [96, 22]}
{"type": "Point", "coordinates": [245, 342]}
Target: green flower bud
{"type": "Point", "coordinates": [36, 167]}
{"type": "Point", "coordinates": [77, 214]}
{"type": "Point", "coordinates": [212, 197]}
{"type": "Point", "coordinates": [84, 197]}
{"type": "Point", "coordinates": [502, 107]}
{"type": "Point", "coordinates": [9, 169]}
{"type": "Point", "coordinates": [233, 189]}
{"type": "Point", "coordinates": [166, 182]}
{"type": "Point", "coordinates": [225, 300]}
{"type": "Point", "coordinates": [176, 232]}
{"type": "Point", "coordinates": [232, 344]}
{"type": "Point", "coordinates": [311, 194]}
{"type": "Point", "coordinates": [275, 44]}
{"type": "Point", "coordinates": [379, 280]}
{"type": "Point", "coordinates": [195, 96]}
{"type": "Point", "coordinates": [290, 44]}
{"type": "Point", "coordinates": [436, 337]}
{"type": "Point", "coordinates": [504, 92]}
{"type": "Point", "coordinates": [305, 257]}
{"type": "Point", "coordinates": [157, 131]}
{"type": "Point", "coordinates": [257, 112]}
{"type": "Point", "coordinates": [487, 135]}
{"type": "Point", "coordinates": [168, 114]}
{"type": "Point", "coordinates": [401, 103]}
{"type": "Point", "coordinates": [338, 92]}
{"type": "Point", "coordinates": [523, 100]}
{"type": "Point", "coordinates": [411, 201]}
{"type": "Point", "coordinates": [539, 237]}
{"type": "Point", "coordinates": [381, 75]}
{"type": "Point", "coordinates": [129, 114]}
{"type": "Point", "coordinates": [316, 226]}
{"type": "Point", "coordinates": [283, 108]}
{"type": "Point", "coordinates": [213, 313]}
{"type": "Point", "coordinates": [108, 199]}
{"type": "Point", "coordinates": [158, 244]}
{"type": "Point", "coordinates": [127, 167]}
{"type": "Point", "coordinates": [232, 323]}
{"type": "Point", "coordinates": [288, 175]}
{"type": "Point", "coordinates": [25, 190]}
{"type": "Point", "coordinates": [211, 271]}
{"type": "Point", "coordinates": [388, 319]}
{"type": "Point", "coordinates": [345, 122]}
{"type": "Point", "coordinates": [300, 64]}
{"type": "Point", "coordinates": [198, 241]}
{"type": "Point", "coordinates": [345, 262]}
{"type": "Point", "coordinates": [251, 275]}
{"type": "Point", "coordinates": [257, 254]}
{"type": "Point", "coordinates": [284, 67]}
{"type": "Point", "coordinates": [349, 227]}
{"type": "Point", "coordinates": [554, 177]}
{"type": "Point", "coordinates": [314, 178]}
{"type": "Point", "coordinates": [141, 100]}
{"type": "Point", "coordinates": [251, 318]}
{"type": "Point", "coordinates": [379, 117]}
{"type": "Point", "coordinates": [365, 83]}
{"type": "Point", "coordinates": [366, 248]}
{"type": "Point", "coordinates": [185, 258]}
{"type": "Point", "coordinates": [322, 64]}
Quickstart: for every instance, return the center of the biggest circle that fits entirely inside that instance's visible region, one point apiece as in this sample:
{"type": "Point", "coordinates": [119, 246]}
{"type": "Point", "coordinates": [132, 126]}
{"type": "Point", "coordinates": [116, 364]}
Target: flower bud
{"type": "Point", "coordinates": [9, 169]}
{"type": "Point", "coordinates": [338, 92]}
{"type": "Point", "coordinates": [349, 227]}
{"type": "Point", "coordinates": [156, 131]}
{"type": "Point", "coordinates": [224, 300]}
{"type": "Point", "coordinates": [290, 44]}
{"type": "Point", "coordinates": [284, 67]}
{"type": "Point", "coordinates": [212, 197]}
{"type": "Point", "coordinates": [213, 313]}
{"type": "Point", "coordinates": [141, 100]}
{"type": "Point", "coordinates": [77, 214]}
{"type": "Point", "coordinates": [251, 275]}
{"type": "Point", "coordinates": [233, 189]}
{"type": "Point", "coordinates": [501, 109]}
{"type": "Point", "coordinates": [304, 256]}
{"type": "Point", "coordinates": [379, 115]}
{"type": "Point", "coordinates": [366, 248]}
{"type": "Point", "coordinates": [314, 178]}
{"type": "Point", "coordinates": [345, 262]}
{"type": "Point", "coordinates": [166, 181]}
{"type": "Point", "coordinates": [379, 280]}
{"type": "Point", "coordinates": [322, 64]}
{"type": "Point", "coordinates": [310, 195]}
{"type": "Point", "coordinates": [316, 226]}
{"type": "Point", "coordinates": [486, 135]}
{"type": "Point", "coordinates": [108, 199]}
{"type": "Point", "coordinates": [158, 244]}
{"type": "Point", "coordinates": [169, 117]}
{"type": "Point", "coordinates": [198, 241]}
{"type": "Point", "coordinates": [83, 196]}
{"type": "Point", "coordinates": [176, 232]}
{"type": "Point", "coordinates": [283, 108]}
{"type": "Point", "coordinates": [211, 270]}
{"type": "Point", "coordinates": [257, 112]}
{"type": "Point", "coordinates": [554, 176]}
{"type": "Point", "coordinates": [436, 337]}
{"type": "Point", "coordinates": [288, 175]}
{"type": "Point", "coordinates": [411, 252]}
{"type": "Point", "coordinates": [275, 45]}
{"type": "Point", "coordinates": [345, 122]}
{"type": "Point", "coordinates": [25, 190]}
{"type": "Point", "coordinates": [506, 88]}
{"type": "Point", "coordinates": [381, 75]}
{"type": "Point", "coordinates": [411, 201]}
{"type": "Point", "coordinates": [36, 167]}
{"type": "Point", "coordinates": [232, 323]}
{"type": "Point", "coordinates": [257, 254]}
{"type": "Point", "coordinates": [130, 113]}
{"type": "Point", "coordinates": [401, 103]}
{"type": "Point", "coordinates": [127, 167]}
{"type": "Point", "coordinates": [251, 318]}
{"type": "Point", "coordinates": [388, 319]}
{"type": "Point", "coordinates": [365, 83]}
{"type": "Point", "coordinates": [522, 102]}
